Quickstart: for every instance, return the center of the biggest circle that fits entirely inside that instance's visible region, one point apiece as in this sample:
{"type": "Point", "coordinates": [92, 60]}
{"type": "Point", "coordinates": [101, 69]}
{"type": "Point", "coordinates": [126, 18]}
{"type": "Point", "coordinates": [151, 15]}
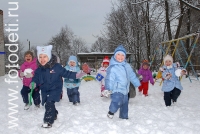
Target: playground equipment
{"type": "Point", "coordinates": [180, 53]}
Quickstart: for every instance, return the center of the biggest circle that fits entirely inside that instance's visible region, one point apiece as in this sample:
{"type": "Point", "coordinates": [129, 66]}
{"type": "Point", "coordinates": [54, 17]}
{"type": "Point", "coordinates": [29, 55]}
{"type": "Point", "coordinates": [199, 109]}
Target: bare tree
{"type": "Point", "coordinates": [99, 46]}
{"type": "Point", "coordinates": [141, 25]}
{"type": "Point", "coordinates": [78, 46]}
{"type": "Point", "coordinates": [61, 44]}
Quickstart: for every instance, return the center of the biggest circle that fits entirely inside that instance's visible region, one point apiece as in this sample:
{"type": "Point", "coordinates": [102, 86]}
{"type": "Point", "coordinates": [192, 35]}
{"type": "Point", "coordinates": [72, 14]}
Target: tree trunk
{"type": "Point", "coordinates": [168, 23]}
{"type": "Point", "coordinates": [188, 32]}
{"type": "Point", "coordinates": [180, 20]}
{"type": "Point", "coordinates": [148, 34]}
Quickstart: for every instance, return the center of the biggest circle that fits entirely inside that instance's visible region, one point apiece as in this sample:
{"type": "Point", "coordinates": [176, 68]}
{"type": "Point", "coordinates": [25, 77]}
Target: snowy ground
{"type": "Point", "coordinates": [147, 115]}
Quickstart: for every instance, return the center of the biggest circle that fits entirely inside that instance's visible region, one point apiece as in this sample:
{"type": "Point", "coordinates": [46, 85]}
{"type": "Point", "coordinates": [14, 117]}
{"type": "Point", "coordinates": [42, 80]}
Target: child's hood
{"type": "Point", "coordinates": [113, 61]}
{"type": "Point", "coordinates": [120, 48]}
{"type": "Point", "coordinates": [141, 67]}
{"type": "Point", "coordinates": [72, 58]}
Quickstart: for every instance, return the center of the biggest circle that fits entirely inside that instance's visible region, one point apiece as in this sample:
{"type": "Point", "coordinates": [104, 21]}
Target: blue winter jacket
{"type": "Point", "coordinates": [169, 85]}
{"type": "Point", "coordinates": [119, 75]}
{"type": "Point", "coordinates": [72, 83]}
{"type": "Point", "coordinates": [49, 78]}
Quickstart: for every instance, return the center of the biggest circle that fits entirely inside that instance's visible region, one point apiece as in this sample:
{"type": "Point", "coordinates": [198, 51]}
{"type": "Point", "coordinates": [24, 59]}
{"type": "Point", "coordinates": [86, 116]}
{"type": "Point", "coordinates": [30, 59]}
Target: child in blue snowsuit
{"type": "Point", "coordinates": [72, 85]}
{"type": "Point", "coordinates": [171, 84]}
{"type": "Point", "coordinates": [117, 82]}
{"type": "Point", "coordinates": [48, 76]}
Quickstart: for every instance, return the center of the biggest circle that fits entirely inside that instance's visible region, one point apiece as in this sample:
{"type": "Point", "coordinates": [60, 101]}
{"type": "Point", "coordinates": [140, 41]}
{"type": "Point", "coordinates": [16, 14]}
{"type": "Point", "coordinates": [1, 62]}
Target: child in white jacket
{"type": "Point", "coordinates": [101, 73]}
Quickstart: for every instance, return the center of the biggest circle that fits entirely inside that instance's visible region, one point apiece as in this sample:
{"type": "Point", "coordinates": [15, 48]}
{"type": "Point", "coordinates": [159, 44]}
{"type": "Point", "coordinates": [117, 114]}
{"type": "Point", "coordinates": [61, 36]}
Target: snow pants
{"type": "Point", "coordinates": [119, 101]}
{"type": "Point", "coordinates": [144, 87]}
{"type": "Point", "coordinates": [50, 112]}
{"type": "Point", "coordinates": [36, 95]}
{"type": "Point", "coordinates": [73, 95]}
{"type": "Point", "coordinates": [171, 96]}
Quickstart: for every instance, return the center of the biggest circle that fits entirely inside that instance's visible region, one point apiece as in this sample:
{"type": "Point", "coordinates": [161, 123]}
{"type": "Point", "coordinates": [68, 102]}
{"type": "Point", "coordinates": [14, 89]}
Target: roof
{"type": "Point", "coordinates": [95, 56]}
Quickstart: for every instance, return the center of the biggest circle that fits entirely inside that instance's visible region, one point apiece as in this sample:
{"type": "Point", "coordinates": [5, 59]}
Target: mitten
{"type": "Point", "coordinates": [29, 75]}
{"type": "Point", "coordinates": [183, 72]}
{"type": "Point", "coordinates": [80, 74]}
{"type": "Point", "coordinates": [177, 64]}
{"type": "Point", "coordinates": [21, 74]}
{"type": "Point", "coordinates": [168, 76]}
{"type": "Point", "coordinates": [106, 93]}
{"type": "Point", "coordinates": [152, 83]}
{"type": "Point", "coordinates": [140, 77]}
{"type": "Point", "coordinates": [161, 69]}
{"type": "Point", "coordinates": [32, 85]}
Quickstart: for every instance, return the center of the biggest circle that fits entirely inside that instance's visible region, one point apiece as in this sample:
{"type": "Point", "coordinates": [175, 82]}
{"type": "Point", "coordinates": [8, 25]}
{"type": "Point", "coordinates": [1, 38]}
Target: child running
{"type": "Point", "coordinates": [117, 82]}
{"type": "Point", "coordinates": [72, 85]}
{"type": "Point", "coordinates": [101, 73]}
{"type": "Point", "coordinates": [171, 84]}
{"type": "Point", "coordinates": [146, 76]}
{"type": "Point", "coordinates": [48, 76]}
{"type": "Point", "coordinates": [26, 72]}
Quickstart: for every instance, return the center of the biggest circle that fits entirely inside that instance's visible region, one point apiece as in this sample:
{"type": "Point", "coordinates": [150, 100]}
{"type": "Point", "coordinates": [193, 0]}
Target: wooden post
{"type": "Point", "coordinates": [2, 53]}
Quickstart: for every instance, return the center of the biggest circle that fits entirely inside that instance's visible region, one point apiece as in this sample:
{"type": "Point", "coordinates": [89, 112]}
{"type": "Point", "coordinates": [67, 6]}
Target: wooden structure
{"type": "Point", "coordinates": [95, 59]}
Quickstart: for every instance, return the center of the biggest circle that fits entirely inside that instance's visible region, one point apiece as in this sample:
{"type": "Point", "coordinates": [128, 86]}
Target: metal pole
{"type": "Point", "coordinates": [29, 45]}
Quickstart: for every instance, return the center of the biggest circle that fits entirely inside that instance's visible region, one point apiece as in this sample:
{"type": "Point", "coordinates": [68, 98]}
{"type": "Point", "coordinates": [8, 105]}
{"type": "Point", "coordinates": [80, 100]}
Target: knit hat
{"type": "Point", "coordinates": [168, 57]}
{"type": "Point", "coordinates": [145, 62]}
{"type": "Point", "coordinates": [120, 49]}
{"type": "Point", "coordinates": [73, 58]}
{"type": "Point", "coordinates": [44, 50]}
{"type": "Point", "coordinates": [120, 52]}
{"type": "Point", "coordinates": [106, 60]}
{"type": "Point", "coordinates": [28, 52]}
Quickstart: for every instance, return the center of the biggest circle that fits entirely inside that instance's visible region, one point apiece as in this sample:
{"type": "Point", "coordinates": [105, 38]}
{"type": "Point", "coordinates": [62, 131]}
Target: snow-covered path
{"type": "Point", "coordinates": [147, 115]}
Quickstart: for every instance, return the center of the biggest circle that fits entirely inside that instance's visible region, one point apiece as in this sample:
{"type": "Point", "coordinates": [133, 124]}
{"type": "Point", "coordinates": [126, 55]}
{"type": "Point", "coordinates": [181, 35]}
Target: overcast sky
{"type": "Point", "coordinates": [40, 20]}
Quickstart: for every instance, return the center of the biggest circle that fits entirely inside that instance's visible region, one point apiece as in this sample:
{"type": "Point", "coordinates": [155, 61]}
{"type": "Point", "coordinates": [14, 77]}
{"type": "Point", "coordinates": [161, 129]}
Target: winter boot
{"type": "Point", "coordinates": [46, 125]}
{"type": "Point", "coordinates": [76, 103]}
{"type": "Point", "coordinates": [173, 102]}
{"type": "Point", "coordinates": [27, 106]}
{"type": "Point", "coordinates": [37, 107]}
{"type": "Point", "coordinates": [110, 115]}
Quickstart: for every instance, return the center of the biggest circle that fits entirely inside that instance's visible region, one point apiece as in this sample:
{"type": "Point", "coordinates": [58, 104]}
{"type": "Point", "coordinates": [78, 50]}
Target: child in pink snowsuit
{"type": "Point", "coordinates": [101, 74]}
{"type": "Point", "coordinates": [146, 76]}
{"type": "Point", "coordinates": [26, 73]}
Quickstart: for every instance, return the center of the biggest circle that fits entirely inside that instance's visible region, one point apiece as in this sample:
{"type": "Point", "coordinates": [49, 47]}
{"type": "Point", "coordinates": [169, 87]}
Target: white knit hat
{"type": "Point", "coordinates": [168, 57]}
{"type": "Point", "coordinates": [44, 50]}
